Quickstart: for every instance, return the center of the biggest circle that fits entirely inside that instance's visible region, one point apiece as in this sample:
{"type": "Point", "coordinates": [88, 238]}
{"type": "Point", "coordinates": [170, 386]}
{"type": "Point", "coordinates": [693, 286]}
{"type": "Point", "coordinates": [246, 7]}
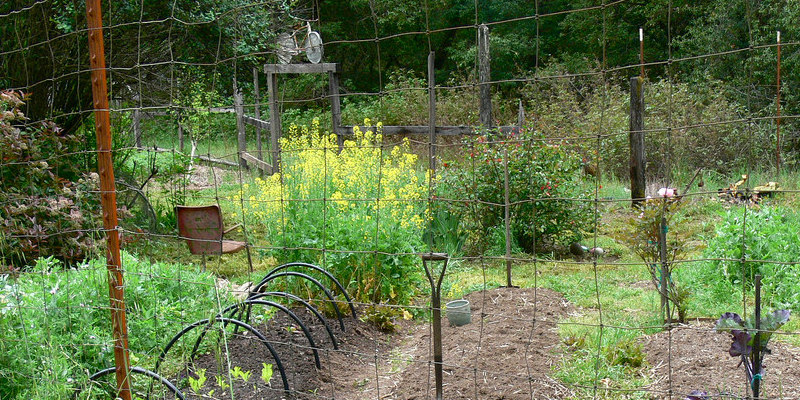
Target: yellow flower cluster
{"type": "Point", "coordinates": [356, 186]}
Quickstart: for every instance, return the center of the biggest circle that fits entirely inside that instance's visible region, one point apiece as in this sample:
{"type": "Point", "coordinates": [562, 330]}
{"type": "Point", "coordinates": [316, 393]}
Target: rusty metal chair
{"type": "Point", "coordinates": [201, 227]}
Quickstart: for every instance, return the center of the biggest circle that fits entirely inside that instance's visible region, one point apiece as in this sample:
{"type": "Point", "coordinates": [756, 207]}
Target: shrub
{"type": "Point", "coordinates": [544, 190]}
{"type": "Point", "coordinates": [47, 206]}
{"type": "Point", "coordinates": [770, 236]}
{"type": "Point", "coordinates": [642, 235]}
{"type": "Point", "coordinates": [364, 206]}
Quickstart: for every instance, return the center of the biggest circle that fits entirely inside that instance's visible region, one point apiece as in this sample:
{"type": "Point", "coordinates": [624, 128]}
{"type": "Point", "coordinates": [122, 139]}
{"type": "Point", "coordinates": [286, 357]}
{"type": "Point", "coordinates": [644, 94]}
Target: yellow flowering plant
{"type": "Point", "coordinates": [360, 212]}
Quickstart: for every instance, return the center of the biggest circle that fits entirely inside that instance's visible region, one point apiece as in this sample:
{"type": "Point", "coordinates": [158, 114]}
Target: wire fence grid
{"type": "Point", "coordinates": [323, 294]}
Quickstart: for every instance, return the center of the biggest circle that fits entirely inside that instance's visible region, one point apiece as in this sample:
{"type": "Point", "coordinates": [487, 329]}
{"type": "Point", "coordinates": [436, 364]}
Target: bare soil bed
{"type": "Point", "coordinates": [698, 360]}
{"type": "Point", "coordinates": [502, 354]}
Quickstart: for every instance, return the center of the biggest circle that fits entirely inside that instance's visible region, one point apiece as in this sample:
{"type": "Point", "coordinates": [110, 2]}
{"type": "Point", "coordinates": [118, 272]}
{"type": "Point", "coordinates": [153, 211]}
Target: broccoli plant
{"type": "Point", "coordinates": [743, 335]}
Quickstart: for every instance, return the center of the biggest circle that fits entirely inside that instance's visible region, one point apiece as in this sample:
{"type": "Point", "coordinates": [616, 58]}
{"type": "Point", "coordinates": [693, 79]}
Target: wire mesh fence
{"type": "Point", "coordinates": [307, 191]}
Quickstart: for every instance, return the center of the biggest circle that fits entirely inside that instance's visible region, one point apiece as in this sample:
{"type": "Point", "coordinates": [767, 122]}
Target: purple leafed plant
{"type": "Point", "coordinates": [697, 395]}
{"type": "Point", "coordinates": [743, 336]}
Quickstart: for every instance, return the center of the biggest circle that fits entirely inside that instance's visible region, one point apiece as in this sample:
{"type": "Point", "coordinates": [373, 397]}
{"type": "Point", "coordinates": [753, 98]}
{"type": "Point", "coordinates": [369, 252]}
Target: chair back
{"type": "Point", "coordinates": [202, 228]}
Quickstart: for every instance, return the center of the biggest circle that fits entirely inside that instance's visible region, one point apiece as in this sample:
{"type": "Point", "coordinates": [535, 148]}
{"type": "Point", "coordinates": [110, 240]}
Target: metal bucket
{"type": "Point", "coordinates": [458, 312]}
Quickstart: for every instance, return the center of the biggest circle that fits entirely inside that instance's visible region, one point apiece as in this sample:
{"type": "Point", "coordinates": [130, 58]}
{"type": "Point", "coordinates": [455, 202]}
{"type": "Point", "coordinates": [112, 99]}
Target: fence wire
{"type": "Point", "coordinates": [337, 178]}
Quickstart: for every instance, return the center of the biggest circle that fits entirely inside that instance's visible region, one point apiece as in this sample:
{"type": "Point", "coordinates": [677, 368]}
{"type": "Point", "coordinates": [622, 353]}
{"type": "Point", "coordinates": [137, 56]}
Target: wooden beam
{"type": "Point", "coordinates": [241, 136]}
{"type": "Point", "coordinates": [258, 123]}
{"type": "Point", "coordinates": [347, 130]}
{"type": "Point", "coordinates": [336, 107]}
{"type": "Point", "coordinates": [257, 112]}
{"type": "Point", "coordinates": [301, 68]}
{"type": "Point", "coordinates": [258, 163]}
{"type": "Point", "coordinates": [275, 120]}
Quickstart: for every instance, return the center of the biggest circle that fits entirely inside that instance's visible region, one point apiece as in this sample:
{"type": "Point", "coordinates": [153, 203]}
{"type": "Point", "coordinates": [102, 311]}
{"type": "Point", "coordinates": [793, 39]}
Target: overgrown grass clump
{"type": "Point", "coordinates": [55, 323]}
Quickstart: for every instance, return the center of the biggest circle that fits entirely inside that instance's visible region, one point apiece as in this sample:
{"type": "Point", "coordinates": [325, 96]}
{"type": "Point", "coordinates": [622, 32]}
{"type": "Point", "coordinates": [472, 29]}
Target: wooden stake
{"type": "Point", "coordinates": [257, 113]}
{"type": "Point", "coordinates": [432, 113]}
{"type": "Point", "coordinates": [778, 112]}
{"type": "Point", "coordinates": [241, 137]}
{"type": "Point", "coordinates": [485, 76]}
{"type": "Point", "coordinates": [108, 197]}
{"type": "Point", "coordinates": [641, 52]}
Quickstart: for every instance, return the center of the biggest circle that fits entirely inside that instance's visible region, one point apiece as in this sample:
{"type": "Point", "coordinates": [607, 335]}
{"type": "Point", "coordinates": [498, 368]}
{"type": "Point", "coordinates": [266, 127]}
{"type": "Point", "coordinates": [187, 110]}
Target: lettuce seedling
{"type": "Point", "coordinates": [743, 336]}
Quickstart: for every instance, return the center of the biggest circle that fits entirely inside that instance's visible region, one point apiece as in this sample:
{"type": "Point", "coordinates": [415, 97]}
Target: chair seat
{"type": "Point", "coordinates": [232, 246]}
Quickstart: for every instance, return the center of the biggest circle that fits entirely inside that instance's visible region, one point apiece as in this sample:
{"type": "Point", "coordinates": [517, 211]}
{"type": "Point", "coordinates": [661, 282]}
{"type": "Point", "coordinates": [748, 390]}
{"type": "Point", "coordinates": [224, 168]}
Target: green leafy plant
{"type": "Point", "coordinates": [642, 233]}
{"type": "Point", "coordinates": [767, 236]}
{"type": "Point", "coordinates": [266, 372]}
{"type": "Point", "coordinates": [221, 382]}
{"type": "Point", "coordinates": [63, 313]}
{"type": "Point", "coordinates": [543, 181]}
{"type": "Point", "coordinates": [237, 372]}
{"type": "Point", "coordinates": [743, 336]}
{"type": "Point", "coordinates": [382, 318]}
{"type": "Point", "coordinates": [197, 383]}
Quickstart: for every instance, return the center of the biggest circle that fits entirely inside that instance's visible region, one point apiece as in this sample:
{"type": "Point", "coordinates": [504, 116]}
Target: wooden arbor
{"type": "Point", "coordinates": [274, 124]}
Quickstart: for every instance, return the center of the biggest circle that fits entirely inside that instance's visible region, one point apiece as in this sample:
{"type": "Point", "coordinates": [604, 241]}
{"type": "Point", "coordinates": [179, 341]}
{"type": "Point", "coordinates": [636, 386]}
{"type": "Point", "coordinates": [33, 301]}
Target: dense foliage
{"type": "Point", "coordinates": [55, 327]}
{"type": "Point", "coordinates": [768, 239]}
{"type": "Point", "coordinates": [365, 206]}
{"type": "Point", "coordinates": [545, 194]}
{"type": "Point", "coordinates": [48, 207]}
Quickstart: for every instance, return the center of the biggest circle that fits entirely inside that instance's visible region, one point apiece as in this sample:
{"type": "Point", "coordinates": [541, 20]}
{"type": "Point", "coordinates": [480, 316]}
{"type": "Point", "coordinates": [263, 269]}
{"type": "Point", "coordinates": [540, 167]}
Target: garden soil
{"type": "Point", "coordinates": [698, 359]}
{"type": "Point", "coordinates": [490, 358]}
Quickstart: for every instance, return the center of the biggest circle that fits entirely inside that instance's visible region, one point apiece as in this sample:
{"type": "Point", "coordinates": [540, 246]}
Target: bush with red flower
{"type": "Point", "coordinates": [548, 209]}
{"type": "Point", "coordinates": [48, 206]}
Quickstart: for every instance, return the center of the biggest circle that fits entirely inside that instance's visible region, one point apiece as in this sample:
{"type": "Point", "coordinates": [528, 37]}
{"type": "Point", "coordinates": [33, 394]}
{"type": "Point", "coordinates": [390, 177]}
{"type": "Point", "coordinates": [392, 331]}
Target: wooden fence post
{"type": "Point", "coordinates": [636, 136]}
{"type": "Point", "coordinates": [432, 112]}
{"type": "Point", "coordinates": [484, 71]}
{"type": "Point", "coordinates": [238, 105]}
{"type": "Point", "coordinates": [274, 120]}
{"type": "Point", "coordinates": [257, 112]}
{"type": "Point", "coordinates": [336, 108]}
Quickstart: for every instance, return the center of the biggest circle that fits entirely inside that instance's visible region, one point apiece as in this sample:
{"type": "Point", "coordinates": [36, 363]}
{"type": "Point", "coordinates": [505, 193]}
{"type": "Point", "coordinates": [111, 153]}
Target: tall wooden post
{"type": "Point", "coordinates": [238, 105]}
{"type": "Point", "coordinates": [432, 113]}
{"type": "Point", "coordinates": [336, 108]}
{"type": "Point", "coordinates": [108, 198]}
{"type": "Point", "coordinates": [636, 136]}
{"type": "Point", "coordinates": [274, 120]}
{"type": "Point", "coordinates": [484, 72]}
{"type": "Point", "coordinates": [257, 112]}
{"type": "Point", "coordinates": [778, 111]}
{"type": "Point", "coordinates": [520, 117]}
